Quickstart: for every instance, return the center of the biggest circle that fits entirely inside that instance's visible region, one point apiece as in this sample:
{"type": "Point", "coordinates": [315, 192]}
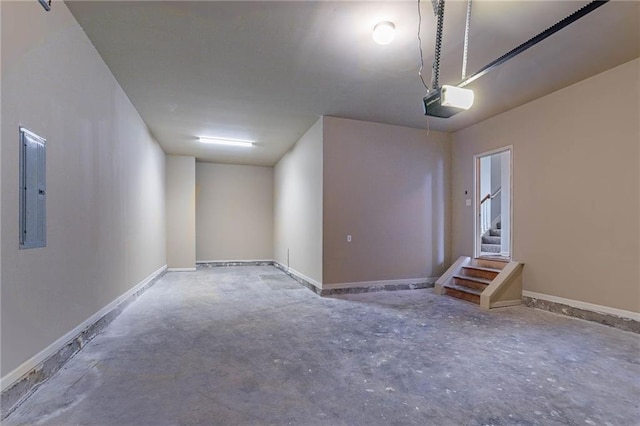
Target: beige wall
{"type": "Point", "coordinates": [105, 182]}
{"type": "Point", "coordinates": [576, 190]}
{"type": "Point", "coordinates": [1, 374]}
{"type": "Point", "coordinates": [298, 206]}
{"type": "Point", "coordinates": [388, 187]}
{"type": "Point", "coordinates": [234, 212]}
{"type": "Point", "coordinates": [181, 212]}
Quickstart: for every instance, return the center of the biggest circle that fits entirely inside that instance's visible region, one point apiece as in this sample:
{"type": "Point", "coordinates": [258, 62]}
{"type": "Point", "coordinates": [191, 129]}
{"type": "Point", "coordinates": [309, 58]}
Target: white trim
{"type": "Point", "coordinates": [34, 361]}
{"type": "Point", "coordinates": [181, 269]}
{"type": "Point", "coordinates": [300, 275]}
{"type": "Point", "coordinates": [511, 204]}
{"type": "Point", "coordinates": [234, 261]}
{"type": "Point", "coordinates": [505, 303]}
{"type": "Point", "coordinates": [381, 283]}
{"type": "Point", "coordinates": [494, 151]}
{"type": "Point", "coordinates": [584, 305]}
{"type": "Point", "coordinates": [477, 248]}
{"type": "Point", "coordinates": [477, 240]}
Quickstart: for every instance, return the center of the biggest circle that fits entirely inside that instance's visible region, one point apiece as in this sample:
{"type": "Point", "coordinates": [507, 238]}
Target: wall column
{"type": "Point", "coordinates": [181, 212]}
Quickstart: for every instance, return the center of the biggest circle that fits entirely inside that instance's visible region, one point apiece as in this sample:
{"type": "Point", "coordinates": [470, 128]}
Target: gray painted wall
{"type": "Point", "coordinates": [105, 176]}
{"type": "Point", "coordinates": [234, 212]}
{"type": "Point", "coordinates": [298, 205]}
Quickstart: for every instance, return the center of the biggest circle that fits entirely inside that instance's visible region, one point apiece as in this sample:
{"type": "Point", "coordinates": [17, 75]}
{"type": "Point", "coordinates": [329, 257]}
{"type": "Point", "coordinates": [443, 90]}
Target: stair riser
{"type": "Point", "coordinates": [490, 248]}
{"type": "Point", "coordinates": [461, 295]}
{"type": "Point", "coordinates": [479, 273]}
{"type": "Point", "coordinates": [469, 284]}
{"type": "Point", "coordinates": [489, 263]}
{"type": "Point", "coordinates": [495, 232]}
{"type": "Point", "coordinates": [490, 240]}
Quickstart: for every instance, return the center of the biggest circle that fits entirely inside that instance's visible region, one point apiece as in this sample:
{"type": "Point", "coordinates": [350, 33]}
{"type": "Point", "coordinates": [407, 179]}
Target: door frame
{"type": "Point", "coordinates": [477, 239]}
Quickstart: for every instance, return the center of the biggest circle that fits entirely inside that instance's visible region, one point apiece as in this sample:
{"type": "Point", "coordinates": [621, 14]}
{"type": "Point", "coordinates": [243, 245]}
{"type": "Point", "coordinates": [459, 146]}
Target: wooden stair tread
{"type": "Point", "coordinates": [463, 289]}
{"type": "Point", "coordinates": [493, 262]}
{"type": "Point", "coordinates": [476, 279]}
{"type": "Point", "coordinates": [482, 268]}
{"type": "Point", "coordinates": [470, 279]}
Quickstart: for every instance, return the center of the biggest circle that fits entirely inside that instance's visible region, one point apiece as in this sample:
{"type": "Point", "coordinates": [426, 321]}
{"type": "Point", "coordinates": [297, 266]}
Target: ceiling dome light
{"type": "Point", "coordinates": [456, 97]}
{"type": "Point", "coordinates": [384, 32]}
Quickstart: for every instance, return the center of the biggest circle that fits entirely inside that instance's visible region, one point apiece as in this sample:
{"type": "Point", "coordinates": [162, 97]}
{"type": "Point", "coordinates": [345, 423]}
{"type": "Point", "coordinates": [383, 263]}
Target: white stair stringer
{"type": "Point", "coordinates": [505, 289]}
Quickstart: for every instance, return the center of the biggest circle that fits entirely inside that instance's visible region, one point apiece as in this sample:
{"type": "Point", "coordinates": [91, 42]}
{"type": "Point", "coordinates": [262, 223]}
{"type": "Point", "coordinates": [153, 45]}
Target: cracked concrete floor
{"type": "Point", "coordinates": [249, 346]}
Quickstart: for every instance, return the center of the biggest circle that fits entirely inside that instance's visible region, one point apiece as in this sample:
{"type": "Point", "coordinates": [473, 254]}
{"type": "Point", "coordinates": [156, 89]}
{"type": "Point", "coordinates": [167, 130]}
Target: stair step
{"type": "Point", "coordinates": [495, 232]}
{"type": "Point", "coordinates": [490, 248]}
{"type": "Point", "coordinates": [463, 293]}
{"type": "Point", "coordinates": [490, 263]}
{"type": "Point", "coordinates": [474, 283]}
{"type": "Point", "coordinates": [487, 239]}
{"type": "Point", "coordinates": [480, 272]}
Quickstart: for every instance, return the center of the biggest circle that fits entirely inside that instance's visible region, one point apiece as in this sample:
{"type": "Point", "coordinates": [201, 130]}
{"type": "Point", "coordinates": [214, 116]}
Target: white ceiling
{"type": "Point", "coordinates": [266, 70]}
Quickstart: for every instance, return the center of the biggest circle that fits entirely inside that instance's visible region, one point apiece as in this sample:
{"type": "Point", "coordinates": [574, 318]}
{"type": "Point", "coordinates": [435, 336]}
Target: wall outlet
{"type": "Point", "coordinates": [468, 202]}
{"type": "Point", "coordinates": [348, 238]}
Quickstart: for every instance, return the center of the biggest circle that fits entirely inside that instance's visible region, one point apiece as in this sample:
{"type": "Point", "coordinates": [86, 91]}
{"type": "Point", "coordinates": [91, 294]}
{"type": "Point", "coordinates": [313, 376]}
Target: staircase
{"type": "Point", "coordinates": [491, 242]}
{"type": "Point", "coordinates": [490, 283]}
{"type": "Point", "coordinates": [472, 279]}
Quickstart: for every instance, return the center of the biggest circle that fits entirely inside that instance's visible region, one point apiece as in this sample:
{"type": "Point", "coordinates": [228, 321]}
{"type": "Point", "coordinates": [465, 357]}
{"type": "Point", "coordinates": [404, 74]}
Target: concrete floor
{"type": "Point", "coordinates": [249, 346]}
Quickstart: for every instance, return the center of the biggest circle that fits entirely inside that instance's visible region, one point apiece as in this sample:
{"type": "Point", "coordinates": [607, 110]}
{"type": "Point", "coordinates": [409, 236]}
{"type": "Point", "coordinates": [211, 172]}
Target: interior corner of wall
{"type": "Point", "coordinates": [324, 119]}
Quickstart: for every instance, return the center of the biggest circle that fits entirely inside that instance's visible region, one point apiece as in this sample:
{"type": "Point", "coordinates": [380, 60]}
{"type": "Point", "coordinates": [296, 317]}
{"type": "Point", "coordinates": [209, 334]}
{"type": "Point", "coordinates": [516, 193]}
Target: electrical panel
{"type": "Point", "coordinates": [33, 190]}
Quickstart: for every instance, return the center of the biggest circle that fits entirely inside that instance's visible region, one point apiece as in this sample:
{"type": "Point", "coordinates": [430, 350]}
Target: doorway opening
{"type": "Point", "coordinates": [493, 204]}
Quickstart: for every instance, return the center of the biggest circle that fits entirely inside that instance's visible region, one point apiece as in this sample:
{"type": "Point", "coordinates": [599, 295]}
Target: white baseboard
{"type": "Point", "coordinates": [181, 269]}
{"type": "Point", "coordinates": [361, 284]}
{"type": "Point", "coordinates": [382, 283]}
{"type": "Point", "coordinates": [300, 275]}
{"type": "Point", "coordinates": [506, 303]}
{"type": "Point", "coordinates": [235, 261]}
{"type": "Point", "coordinates": [34, 361]}
{"type": "Point", "coordinates": [584, 305]}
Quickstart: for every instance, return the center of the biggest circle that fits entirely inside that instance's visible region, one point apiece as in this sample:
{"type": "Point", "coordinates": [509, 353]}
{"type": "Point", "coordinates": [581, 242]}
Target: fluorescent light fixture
{"type": "Point", "coordinates": [228, 142]}
{"type": "Point", "coordinates": [456, 97]}
{"type": "Point", "coordinates": [384, 32]}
